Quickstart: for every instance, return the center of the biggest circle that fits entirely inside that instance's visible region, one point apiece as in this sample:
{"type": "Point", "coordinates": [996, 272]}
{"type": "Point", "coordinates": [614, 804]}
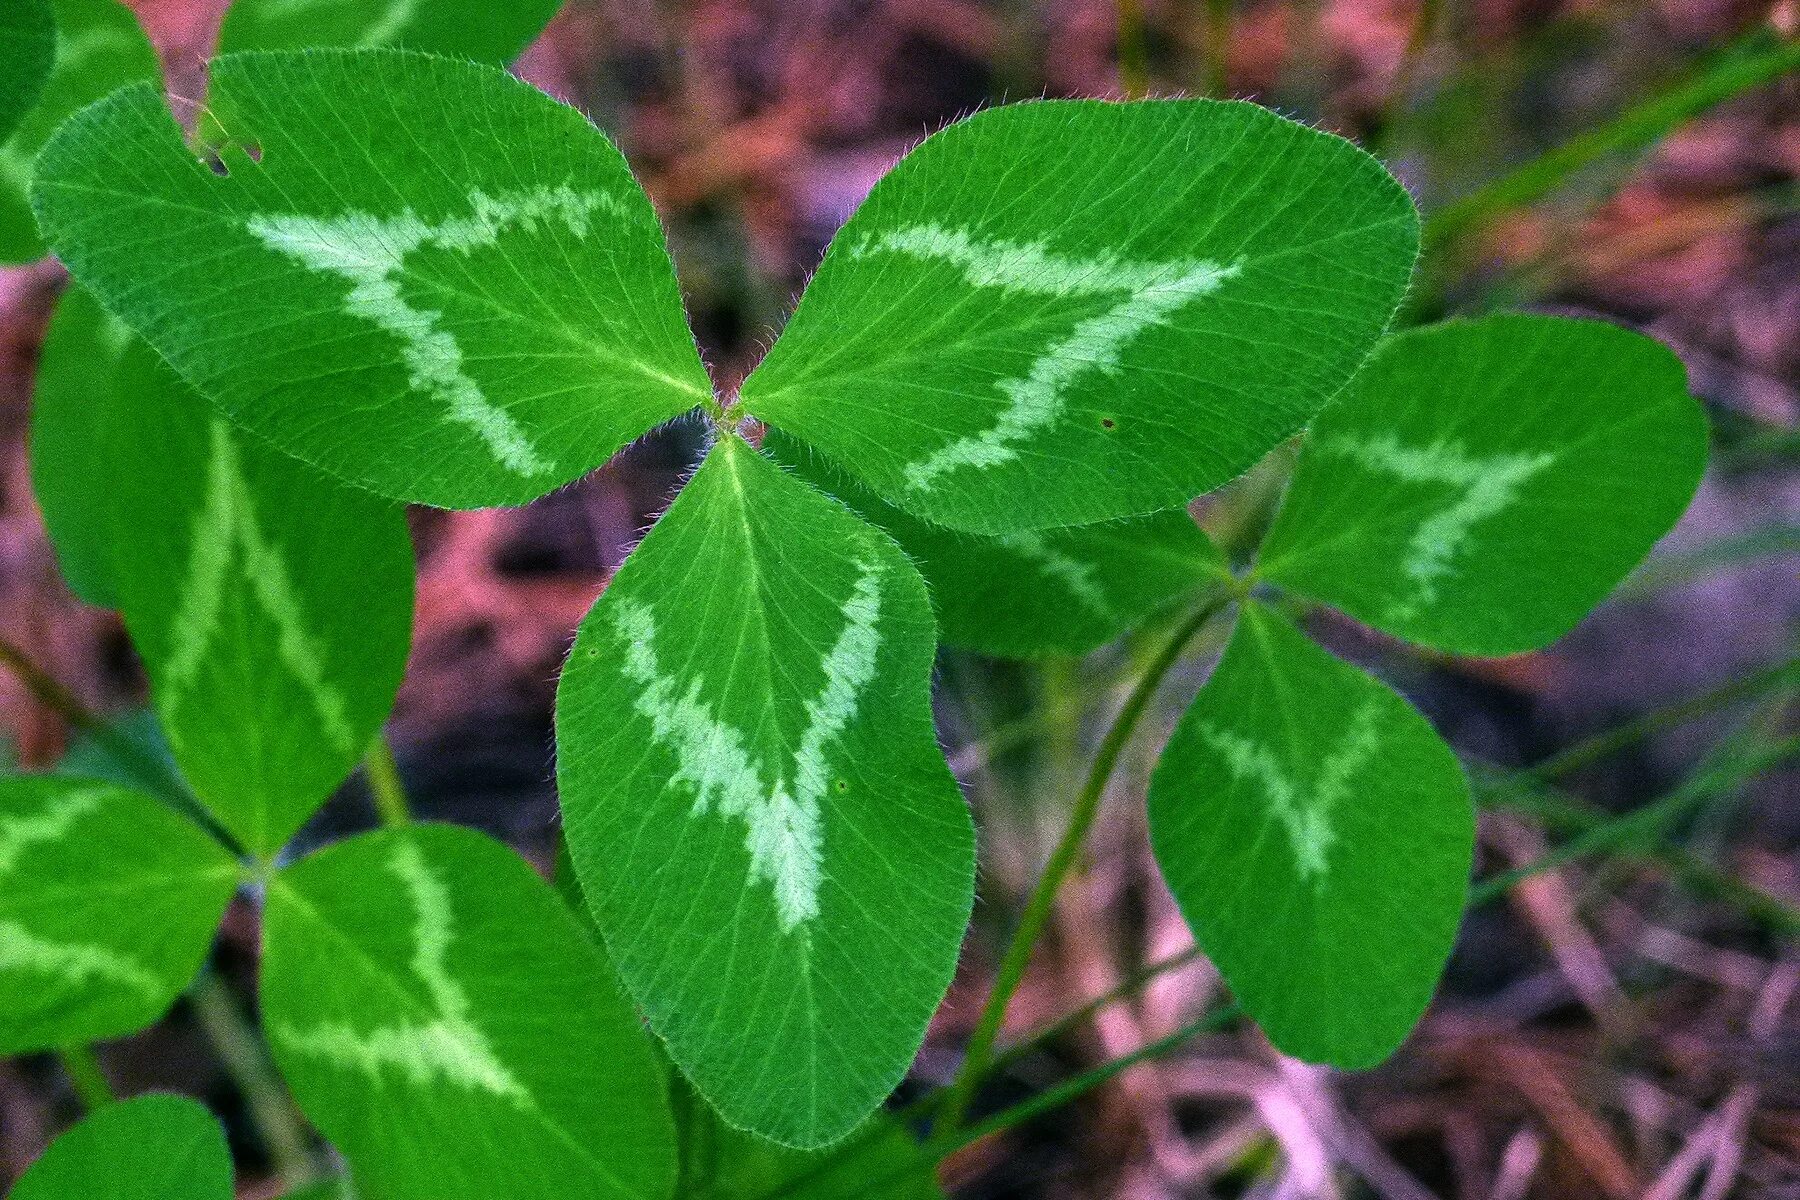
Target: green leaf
{"type": "Point", "coordinates": [108, 903]}
{"type": "Point", "coordinates": [755, 802]}
{"type": "Point", "coordinates": [72, 475]}
{"type": "Point", "coordinates": [465, 302]}
{"type": "Point", "coordinates": [1062, 312]}
{"type": "Point", "coordinates": [151, 1148]}
{"type": "Point", "coordinates": [882, 1161]}
{"type": "Point", "coordinates": [272, 606]}
{"type": "Point", "coordinates": [1481, 485]}
{"type": "Point", "coordinates": [1020, 595]}
{"type": "Point", "coordinates": [27, 52]}
{"type": "Point", "coordinates": [99, 46]}
{"type": "Point", "coordinates": [444, 1021]}
{"type": "Point", "coordinates": [1318, 837]}
{"type": "Point", "coordinates": [477, 29]}
{"type": "Point", "coordinates": [128, 749]}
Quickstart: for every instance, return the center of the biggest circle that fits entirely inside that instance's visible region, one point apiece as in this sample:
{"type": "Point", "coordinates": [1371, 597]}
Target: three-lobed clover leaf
{"type": "Point", "coordinates": [1061, 312]}
{"type": "Point", "coordinates": [153, 1147]}
{"type": "Point", "coordinates": [271, 605]}
{"type": "Point", "coordinates": [755, 803]}
{"type": "Point", "coordinates": [27, 52]}
{"type": "Point", "coordinates": [446, 1023]}
{"type": "Point", "coordinates": [477, 29]}
{"type": "Point", "coordinates": [99, 46]}
{"type": "Point", "coordinates": [1318, 836]}
{"type": "Point", "coordinates": [466, 302]}
{"type": "Point", "coordinates": [108, 903]}
{"type": "Point", "coordinates": [1478, 487]}
{"type": "Point", "coordinates": [1481, 485]}
{"type": "Point", "coordinates": [1037, 592]}
{"type": "Point", "coordinates": [463, 312]}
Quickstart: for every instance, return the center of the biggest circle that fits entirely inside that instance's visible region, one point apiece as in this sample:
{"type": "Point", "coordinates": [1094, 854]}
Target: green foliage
{"type": "Point", "coordinates": [27, 52]}
{"type": "Point", "coordinates": [477, 29]}
{"type": "Point", "coordinates": [108, 902]}
{"type": "Point", "coordinates": [467, 302]}
{"type": "Point", "coordinates": [1019, 595]}
{"type": "Point", "coordinates": [760, 746]}
{"type": "Point", "coordinates": [99, 46]}
{"type": "Point", "coordinates": [1047, 330]}
{"type": "Point", "coordinates": [883, 1163]}
{"type": "Point", "coordinates": [77, 390]}
{"type": "Point", "coordinates": [272, 607]}
{"type": "Point", "coordinates": [443, 1019]}
{"type": "Point", "coordinates": [1481, 485]}
{"type": "Point", "coordinates": [151, 1148]}
{"type": "Point", "coordinates": [1318, 837]}
{"type": "Point", "coordinates": [1061, 312]}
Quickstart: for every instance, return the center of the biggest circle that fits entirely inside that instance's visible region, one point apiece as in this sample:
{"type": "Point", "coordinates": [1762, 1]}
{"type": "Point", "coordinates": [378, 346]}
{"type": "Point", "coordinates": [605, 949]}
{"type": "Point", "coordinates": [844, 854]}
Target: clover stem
{"type": "Point", "coordinates": [1424, 26]}
{"type": "Point", "coordinates": [1134, 56]}
{"type": "Point", "coordinates": [1215, 42]}
{"type": "Point", "coordinates": [385, 788]}
{"type": "Point", "coordinates": [1038, 907]}
{"type": "Point", "coordinates": [82, 1066]}
{"type": "Point", "coordinates": [147, 766]}
{"type": "Point", "coordinates": [1758, 57]}
{"type": "Point", "coordinates": [44, 689]}
{"type": "Point", "coordinates": [246, 1060]}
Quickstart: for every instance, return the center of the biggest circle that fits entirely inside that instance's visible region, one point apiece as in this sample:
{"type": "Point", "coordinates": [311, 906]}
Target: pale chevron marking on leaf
{"type": "Point", "coordinates": [381, 32]}
{"type": "Point", "coordinates": [1487, 486]}
{"type": "Point", "coordinates": [393, 22]}
{"type": "Point", "coordinates": [369, 251]}
{"type": "Point", "coordinates": [75, 963]}
{"type": "Point", "coordinates": [447, 1046]}
{"type": "Point", "coordinates": [46, 826]}
{"type": "Point", "coordinates": [782, 827]}
{"type": "Point", "coordinates": [1150, 294]}
{"type": "Point", "coordinates": [1304, 814]}
{"type": "Point", "coordinates": [792, 833]}
{"type": "Point", "coordinates": [1079, 577]}
{"type": "Point", "coordinates": [225, 526]}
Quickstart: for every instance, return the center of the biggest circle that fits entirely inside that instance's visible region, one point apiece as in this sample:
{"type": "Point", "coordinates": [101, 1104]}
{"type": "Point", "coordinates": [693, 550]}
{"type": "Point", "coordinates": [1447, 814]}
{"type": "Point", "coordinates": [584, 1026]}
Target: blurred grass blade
{"type": "Point", "coordinates": [1748, 63]}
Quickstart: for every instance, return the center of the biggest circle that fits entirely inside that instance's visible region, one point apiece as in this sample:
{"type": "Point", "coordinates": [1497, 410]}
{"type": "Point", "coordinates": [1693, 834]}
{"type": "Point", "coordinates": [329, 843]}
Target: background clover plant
{"type": "Point", "coordinates": [1048, 328]}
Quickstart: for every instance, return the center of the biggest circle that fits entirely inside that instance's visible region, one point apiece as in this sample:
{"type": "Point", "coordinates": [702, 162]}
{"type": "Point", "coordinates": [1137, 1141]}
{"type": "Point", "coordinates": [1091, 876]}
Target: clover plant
{"type": "Point", "coordinates": [375, 276]}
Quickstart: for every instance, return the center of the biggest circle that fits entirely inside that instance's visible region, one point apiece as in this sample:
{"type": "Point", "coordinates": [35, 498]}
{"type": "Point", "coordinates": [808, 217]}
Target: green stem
{"type": "Point", "coordinates": [1062, 860]}
{"type": "Point", "coordinates": [1073, 1089]}
{"type": "Point", "coordinates": [86, 1076]}
{"type": "Point", "coordinates": [166, 784]}
{"type": "Point", "coordinates": [1685, 566]}
{"type": "Point", "coordinates": [1747, 63]}
{"type": "Point", "coordinates": [1424, 26]}
{"type": "Point", "coordinates": [50, 693]}
{"type": "Point", "coordinates": [939, 1148]}
{"type": "Point", "coordinates": [1134, 54]}
{"type": "Point", "coordinates": [1564, 814]}
{"type": "Point", "coordinates": [1592, 749]}
{"type": "Point", "coordinates": [1216, 38]}
{"type": "Point", "coordinates": [385, 788]}
{"type": "Point", "coordinates": [246, 1060]}
{"type": "Point", "coordinates": [1733, 765]}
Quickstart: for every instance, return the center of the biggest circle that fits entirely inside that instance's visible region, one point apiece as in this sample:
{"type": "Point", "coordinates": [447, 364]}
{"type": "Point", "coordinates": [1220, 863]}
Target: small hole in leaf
{"type": "Point", "coordinates": [843, 785]}
{"type": "Point", "coordinates": [1107, 422]}
{"type": "Point", "coordinates": [219, 159]}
